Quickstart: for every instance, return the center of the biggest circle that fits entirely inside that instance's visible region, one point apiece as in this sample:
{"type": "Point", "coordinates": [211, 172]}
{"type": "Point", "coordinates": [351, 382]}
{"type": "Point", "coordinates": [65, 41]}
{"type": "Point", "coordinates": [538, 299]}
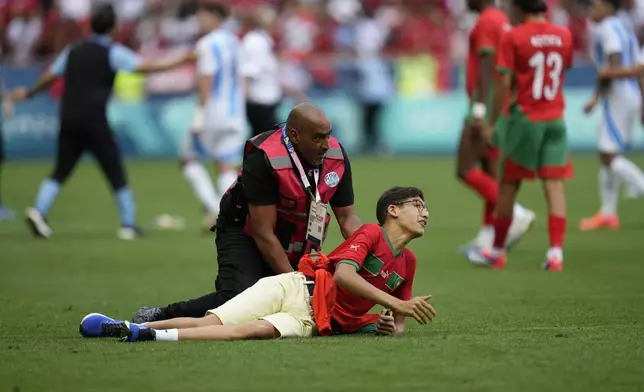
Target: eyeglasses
{"type": "Point", "coordinates": [416, 203]}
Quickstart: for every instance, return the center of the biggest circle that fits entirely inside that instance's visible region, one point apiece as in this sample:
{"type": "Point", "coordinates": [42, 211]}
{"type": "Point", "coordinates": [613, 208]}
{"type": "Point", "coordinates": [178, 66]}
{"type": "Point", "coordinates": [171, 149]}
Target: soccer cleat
{"type": "Point", "coordinates": [129, 233]}
{"type": "Point", "coordinates": [553, 263]}
{"type": "Point", "coordinates": [520, 226]}
{"type": "Point", "coordinates": [37, 223]}
{"type": "Point", "coordinates": [599, 221]}
{"type": "Point", "coordinates": [484, 258]}
{"type": "Point", "coordinates": [6, 214]}
{"type": "Point", "coordinates": [483, 240]}
{"type": "Point", "coordinates": [149, 314]}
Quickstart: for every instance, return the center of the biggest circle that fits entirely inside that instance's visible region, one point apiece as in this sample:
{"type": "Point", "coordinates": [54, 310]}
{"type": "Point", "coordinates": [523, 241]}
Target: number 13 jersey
{"type": "Point", "coordinates": [537, 54]}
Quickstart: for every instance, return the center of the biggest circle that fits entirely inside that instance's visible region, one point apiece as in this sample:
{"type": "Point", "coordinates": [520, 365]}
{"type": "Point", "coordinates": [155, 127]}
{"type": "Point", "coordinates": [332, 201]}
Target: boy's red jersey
{"type": "Point", "coordinates": [370, 252]}
{"type": "Point", "coordinates": [537, 54]}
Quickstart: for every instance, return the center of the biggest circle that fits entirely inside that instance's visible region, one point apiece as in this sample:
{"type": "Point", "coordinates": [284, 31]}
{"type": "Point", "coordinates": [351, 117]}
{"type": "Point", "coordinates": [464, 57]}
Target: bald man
{"type": "Point", "coordinates": [277, 210]}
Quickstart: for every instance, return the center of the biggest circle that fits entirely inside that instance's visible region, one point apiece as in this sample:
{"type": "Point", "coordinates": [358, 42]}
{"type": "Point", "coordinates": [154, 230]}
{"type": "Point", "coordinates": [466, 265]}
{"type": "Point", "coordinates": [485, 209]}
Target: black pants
{"type": "Point", "coordinates": [261, 117]}
{"type": "Point", "coordinates": [75, 138]}
{"type": "Point", "coordinates": [370, 114]}
{"type": "Point", "coordinates": [240, 266]}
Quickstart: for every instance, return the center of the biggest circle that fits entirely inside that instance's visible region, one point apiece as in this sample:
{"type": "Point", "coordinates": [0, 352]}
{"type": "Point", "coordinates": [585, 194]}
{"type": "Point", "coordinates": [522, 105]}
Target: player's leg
{"type": "Point", "coordinates": [471, 148]}
{"type": "Point", "coordinates": [5, 213]}
{"type": "Point", "coordinates": [198, 177]}
{"type": "Point", "coordinates": [103, 146]}
{"type": "Point", "coordinates": [70, 149]}
{"type": "Point", "coordinates": [614, 135]}
{"type": "Point", "coordinates": [519, 162]}
{"type": "Point", "coordinates": [554, 168]}
{"type": "Point", "coordinates": [226, 147]}
{"type": "Point", "coordinates": [609, 145]}
{"type": "Point", "coordinates": [626, 169]}
{"type": "Point", "coordinates": [239, 266]}
{"type": "Point", "coordinates": [522, 219]}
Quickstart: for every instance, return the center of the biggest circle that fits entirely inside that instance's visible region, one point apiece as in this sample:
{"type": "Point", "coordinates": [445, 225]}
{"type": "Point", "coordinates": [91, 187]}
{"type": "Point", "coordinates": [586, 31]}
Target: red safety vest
{"type": "Point", "coordinates": [293, 205]}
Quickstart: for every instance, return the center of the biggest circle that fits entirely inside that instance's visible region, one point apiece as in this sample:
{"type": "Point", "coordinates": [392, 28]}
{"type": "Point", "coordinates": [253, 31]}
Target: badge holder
{"type": "Point", "coordinates": [316, 225]}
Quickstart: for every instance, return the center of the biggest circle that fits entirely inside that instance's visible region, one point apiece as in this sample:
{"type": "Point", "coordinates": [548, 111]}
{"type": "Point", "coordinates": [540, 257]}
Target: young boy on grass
{"type": "Point", "coordinates": [327, 295]}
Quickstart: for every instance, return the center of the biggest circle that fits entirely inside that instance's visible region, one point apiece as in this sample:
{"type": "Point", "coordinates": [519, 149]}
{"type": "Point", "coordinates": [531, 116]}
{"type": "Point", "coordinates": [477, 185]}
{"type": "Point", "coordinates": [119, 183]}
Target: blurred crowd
{"type": "Point", "coordinates": [322, 43]}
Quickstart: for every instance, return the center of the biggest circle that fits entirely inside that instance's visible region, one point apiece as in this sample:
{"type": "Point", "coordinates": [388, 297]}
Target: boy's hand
{"type": "Point", "coordinates": [418, 308]}
{"type": "Point", "coordinates": [386, 325]}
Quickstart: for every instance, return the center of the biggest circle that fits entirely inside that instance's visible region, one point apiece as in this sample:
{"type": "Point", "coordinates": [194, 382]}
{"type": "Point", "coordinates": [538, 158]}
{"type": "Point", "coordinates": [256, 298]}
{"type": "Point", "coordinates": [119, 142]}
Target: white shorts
{"type": "Point", "coordinates": [282, 300]}
{"type": "Point", "coordinates": [223, 141]}
{"type": "Point", "coordinates": [617, 125]}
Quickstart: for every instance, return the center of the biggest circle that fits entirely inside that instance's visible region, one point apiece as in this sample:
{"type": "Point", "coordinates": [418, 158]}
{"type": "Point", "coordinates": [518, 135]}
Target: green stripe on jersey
{"type": "Point", "coordinates": [350, 262]}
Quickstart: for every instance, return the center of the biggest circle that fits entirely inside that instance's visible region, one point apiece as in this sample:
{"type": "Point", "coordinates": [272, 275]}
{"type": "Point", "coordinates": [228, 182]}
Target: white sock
{"type": "Point", "coordinates": [486, 230]}
{"type": "Point", "coordinates": [628, 172]}
{"type": "Point", "coordinates": [555, 252]}
{"type": "Point", "coordinates": [199, 179]}
{"type": "Point", "coordinates": [167, 335]}
{"type": "Point", "coordinates": [225, 180]}
{"type": "Point", "coordinates": [485, 237]}
{"type": "Point", "coordinates": [608, 191]}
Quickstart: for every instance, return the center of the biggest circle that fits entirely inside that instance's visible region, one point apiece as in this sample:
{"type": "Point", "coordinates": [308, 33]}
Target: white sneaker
{"type": "Point", "coordinates": [521, 224]}
{"type": "Point", "coordinates": [128, 233]}
{"type": "Point", "coordinates": [483, 241]}
{"type": "Point", "coordinates": [37, 223]}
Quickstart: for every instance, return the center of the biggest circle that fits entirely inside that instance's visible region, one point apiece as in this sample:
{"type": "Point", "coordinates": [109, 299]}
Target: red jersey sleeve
{"type": "Point", "coordinates": [505, 56]}
{"type": "Point", "coordinates": [486, 37]}
{"type": "Point", "coordinates": [404, 291]}
{"type": "Point", "coordinates": [355, 249]}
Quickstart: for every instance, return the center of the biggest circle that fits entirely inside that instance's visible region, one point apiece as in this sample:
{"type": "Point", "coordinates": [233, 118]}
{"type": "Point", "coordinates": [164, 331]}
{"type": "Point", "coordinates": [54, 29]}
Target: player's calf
{"type": "Point", "coordinates": [555, 196]}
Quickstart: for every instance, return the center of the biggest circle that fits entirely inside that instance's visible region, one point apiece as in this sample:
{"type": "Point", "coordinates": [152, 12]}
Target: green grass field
{"type": "Point", "coordinates": [521, 329]}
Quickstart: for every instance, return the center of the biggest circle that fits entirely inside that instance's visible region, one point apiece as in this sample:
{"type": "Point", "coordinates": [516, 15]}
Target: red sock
{"type": "Point", "coordinates": [488, 214]}
{"type": "Point", "coordinates": [501, 228]}
{"type": "Point", "coordinates": [557, 230]}
{"type": "Point", "coordinates": [483, 184]}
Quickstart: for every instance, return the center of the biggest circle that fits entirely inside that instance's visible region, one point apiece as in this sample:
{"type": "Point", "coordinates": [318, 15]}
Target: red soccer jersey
{"type": "Point", "coordinates": [370, 251]}
{"type": "Point", "coordinates": [485, 37]}
{"type": "Point", "coordinates": [537, 54]}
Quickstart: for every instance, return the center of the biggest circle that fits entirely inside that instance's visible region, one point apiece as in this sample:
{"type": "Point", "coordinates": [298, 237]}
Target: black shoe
{"type": "Point", "coordinates": [149, 314]}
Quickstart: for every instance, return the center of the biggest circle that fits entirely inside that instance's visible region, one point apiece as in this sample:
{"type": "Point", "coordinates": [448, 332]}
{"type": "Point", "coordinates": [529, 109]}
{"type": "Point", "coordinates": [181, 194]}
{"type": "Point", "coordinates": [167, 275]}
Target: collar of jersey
{"type": "Point", "coordinates": [384, 232]}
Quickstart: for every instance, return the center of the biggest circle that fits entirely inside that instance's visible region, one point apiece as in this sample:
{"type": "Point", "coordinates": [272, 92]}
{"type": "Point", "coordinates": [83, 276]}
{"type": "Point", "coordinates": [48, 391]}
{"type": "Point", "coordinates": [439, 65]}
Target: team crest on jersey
{"type": "Point", "coordinates": [332, 179]}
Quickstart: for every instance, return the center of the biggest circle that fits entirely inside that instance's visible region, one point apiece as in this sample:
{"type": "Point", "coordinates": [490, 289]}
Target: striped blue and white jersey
{"type": "Point", "coordinates": [612, 36]}
{"type": "Point", "coordinates": [218, 56]}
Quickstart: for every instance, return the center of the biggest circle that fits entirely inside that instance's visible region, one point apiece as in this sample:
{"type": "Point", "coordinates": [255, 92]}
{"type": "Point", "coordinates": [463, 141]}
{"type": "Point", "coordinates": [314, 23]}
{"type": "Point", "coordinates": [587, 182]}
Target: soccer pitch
{"type": "Point", "coordinates": [520, 329]}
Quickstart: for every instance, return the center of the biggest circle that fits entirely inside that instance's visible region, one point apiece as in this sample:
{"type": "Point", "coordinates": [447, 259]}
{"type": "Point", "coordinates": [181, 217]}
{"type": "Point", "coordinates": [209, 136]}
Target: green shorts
{"type": "Point", "coordinates": [499, 131]}
{"type": "Point", "coordinates": [534, 149]}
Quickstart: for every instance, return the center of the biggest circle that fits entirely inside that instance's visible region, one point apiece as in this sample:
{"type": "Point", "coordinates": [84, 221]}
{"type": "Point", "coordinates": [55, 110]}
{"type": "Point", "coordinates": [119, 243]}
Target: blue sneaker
{"type": "Point", "coordinates": [96, 325]}
{"type": "Point", "coordinates": [6, 214]}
